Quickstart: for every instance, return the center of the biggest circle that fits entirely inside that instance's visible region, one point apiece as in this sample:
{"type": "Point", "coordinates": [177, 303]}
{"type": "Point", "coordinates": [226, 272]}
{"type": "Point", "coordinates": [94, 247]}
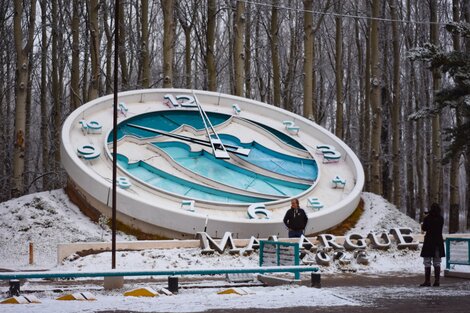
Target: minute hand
{"type": "Point", "coordinates": [229, 148]}
{"type": "Point", "coordinates": [218, 147]}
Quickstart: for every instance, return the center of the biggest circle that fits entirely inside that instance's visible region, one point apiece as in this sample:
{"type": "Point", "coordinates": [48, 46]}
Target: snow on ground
{"type": "Point", "coordinates": [45, 219]}
{"type": "Point", "coordinates": [48, 218]}
{"type": "Point", "coordinates": [381, 215]}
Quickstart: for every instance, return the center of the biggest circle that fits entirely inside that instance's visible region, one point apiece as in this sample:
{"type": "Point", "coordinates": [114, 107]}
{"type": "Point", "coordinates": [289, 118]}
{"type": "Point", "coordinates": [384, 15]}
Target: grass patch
{"type": "Point", "coordinates": [80, 200]}
{"type": "Point", "coordinates": [347, 224]}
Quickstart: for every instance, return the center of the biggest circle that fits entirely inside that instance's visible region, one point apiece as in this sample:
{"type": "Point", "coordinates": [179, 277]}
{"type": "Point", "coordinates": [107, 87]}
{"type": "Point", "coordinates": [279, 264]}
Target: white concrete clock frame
{"type": "Point", "coordinates": [165, 209]}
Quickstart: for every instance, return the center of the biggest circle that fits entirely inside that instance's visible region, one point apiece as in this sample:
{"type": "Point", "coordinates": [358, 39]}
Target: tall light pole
{"type": "Point", "coordinates": [115, 114]}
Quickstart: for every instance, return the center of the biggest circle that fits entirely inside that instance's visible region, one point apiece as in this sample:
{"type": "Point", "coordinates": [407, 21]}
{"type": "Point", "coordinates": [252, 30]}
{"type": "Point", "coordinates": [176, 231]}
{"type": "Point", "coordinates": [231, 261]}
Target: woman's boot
{"type": "Point", "coordinates": [427, 277]}
{"type": "Point", "coordinates": [437, 274]}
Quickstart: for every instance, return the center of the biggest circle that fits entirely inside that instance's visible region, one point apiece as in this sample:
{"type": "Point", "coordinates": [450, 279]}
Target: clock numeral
{"type": "Point", "coordinates": [90, 127]}
{"type": "Point", "coordinates": [184, 101]}
{"type": "Point", "coordinates": [236, 109]}
{"type": "Point", "coordinates": [123, 182]}
{"type": "Point", "coordinates": [329, 153]}
{"type": "Point", "coordinates": [291, 127]}
{"type": "Point", "coordinates": [88, 152]}
{"type": "Point", "coordinates": [256, 209]}
{"type": "Point", "coordinates": [122, 107]}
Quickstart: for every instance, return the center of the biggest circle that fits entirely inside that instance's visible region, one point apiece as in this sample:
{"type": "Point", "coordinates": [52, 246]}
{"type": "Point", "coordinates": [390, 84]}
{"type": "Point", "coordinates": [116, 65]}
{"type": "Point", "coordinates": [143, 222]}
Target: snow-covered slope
{"type": "Point", "coordinates": [45, 219]}
{"type": "Point", "coordinates": [49, 218]}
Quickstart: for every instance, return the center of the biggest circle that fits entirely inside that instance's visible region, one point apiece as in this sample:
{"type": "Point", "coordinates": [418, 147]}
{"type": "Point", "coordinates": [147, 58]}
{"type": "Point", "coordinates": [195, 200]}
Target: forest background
{"type": "Point", "coordinates": [391, 78]}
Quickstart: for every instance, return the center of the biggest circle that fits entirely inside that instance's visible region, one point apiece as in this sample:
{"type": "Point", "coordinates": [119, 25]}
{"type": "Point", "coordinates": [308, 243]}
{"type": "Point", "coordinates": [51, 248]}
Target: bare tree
{"type": "Point", "coordinates": [454, 197]}
{"type": "Point", "coordinates": [396, 104]}
{"type": "Point", "coordinates": [375, 101]}
{"type": "Point", "coordinates": [339, 131]}
{"type": "Point", "coordinates": [122, 46]}
{"type": "Point", "coordinates": [466, 15]}
{"type": "Point", "coordinates": [168, 38]}
{"type": "Point", "coordinates": [109, 47]}
{"type": "Point", "coordinates": [75, 70]}
{"type": "Point", "coordinates": [274, 35]}
{"type": "Point", "coordinates": [309, 106]}
{"type": "Point", "coordinates": [187, 16]}
{"type": "Point", "coordinates": [145, 59]}
{"type": "Point", "coordinates": [238, 48]}
{"type": "Point", "coordinates": [210, 41]}
{"type": "Point", "coordinates": [93, 26]}
{"type": "Point", "coordinates": [22, 77]}
{"type": "Point", "coordinates": [435, 176]}
{"type": "Point", "coordinates": [56, 85]}
{"type": "Point", "coordinates": [43, 95]}
{"type": "Point", "coordinates": [248, 51]}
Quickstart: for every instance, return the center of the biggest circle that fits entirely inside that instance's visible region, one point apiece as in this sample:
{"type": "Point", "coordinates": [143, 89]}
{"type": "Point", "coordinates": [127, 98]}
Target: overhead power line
{"type": "Point", "coordinates": [333, 14]}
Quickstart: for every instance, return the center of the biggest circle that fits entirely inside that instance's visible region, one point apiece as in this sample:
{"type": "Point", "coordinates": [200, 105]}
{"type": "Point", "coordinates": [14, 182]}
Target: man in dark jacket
{"type": "Point", "coordinates": [295, 219]}
{"type": "Point", "coordinates": [433, 246]}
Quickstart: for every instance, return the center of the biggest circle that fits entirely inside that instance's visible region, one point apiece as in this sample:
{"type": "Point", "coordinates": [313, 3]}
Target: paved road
{"type": "Point", "coordinates": [382, 294]}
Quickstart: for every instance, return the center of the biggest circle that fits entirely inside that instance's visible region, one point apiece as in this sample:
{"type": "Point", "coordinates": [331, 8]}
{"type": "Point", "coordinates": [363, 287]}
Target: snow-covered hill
{"type": "Point", "coordinates": [49, 218]}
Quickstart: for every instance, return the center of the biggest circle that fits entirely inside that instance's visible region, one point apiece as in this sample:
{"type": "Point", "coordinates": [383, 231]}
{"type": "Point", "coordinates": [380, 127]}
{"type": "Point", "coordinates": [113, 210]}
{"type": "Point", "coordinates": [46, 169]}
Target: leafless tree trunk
{"type": "Point", "coordinates": [85, 83]}
{"type": "Point", "coordinates": [210, 42]}
{"type": "Point", "coordinates": [109, 48]}
{"type": "Point", "coordinates": [43, 96]}
{"type": "Point", "coordinates": [292, 64]}
{"type": "Point", "coordinates": [75, 71]}
{"type": "Point", "coordinates": [168, 38]}
{"type": "Point", "coordinates": [339, 131]}
{"type": "Point", "coordinates": [144, 55]}
{"type": "Point", "coordinates": [274, 34]}
{"type": "Point", "coordinates": [396, 105]}
{"type": "Point", "coordinates": [309, 106]}
{"type": "Point", "coordinates": [186, 17]}
{"type": "Point", "coordinates": [466, 15]}
{"type": "Point", "coordinates": [122, 46]}
{"type": "Point", "coordinates": [57, 109]}
{"type": "Point", "coordinates": [22, 78]}
{"type": "Point", "coordinates": [248, 51]}
{"type": "Point", "coordinates": [93, 24]}
{"type": "Point", "coordinates": [238, 48]}
{"type": "Point", "coordinates": [364, 96]}
{"type": "Point", "coordinates": [410, 147]}
{"type": "Point", "coordinates": [436, 167]}
{"type": "Point", "coordinates": [259, 73]}
{"type": "Point", "coordinates": [454, 196]}
{"type": "Point", "coordinates": [376, 102]}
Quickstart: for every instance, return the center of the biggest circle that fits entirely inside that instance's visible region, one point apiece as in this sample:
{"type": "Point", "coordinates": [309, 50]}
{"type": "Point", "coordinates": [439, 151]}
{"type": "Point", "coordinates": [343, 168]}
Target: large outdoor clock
{"type": "Point", "coordinates": [192, 161]}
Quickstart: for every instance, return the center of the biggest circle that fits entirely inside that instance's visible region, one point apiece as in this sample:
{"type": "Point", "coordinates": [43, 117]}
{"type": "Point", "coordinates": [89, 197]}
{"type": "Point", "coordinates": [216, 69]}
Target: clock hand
{"type": "Point", "coordinates": [229, 148]}
{"type": "Point", "coordinates": [218, 147]}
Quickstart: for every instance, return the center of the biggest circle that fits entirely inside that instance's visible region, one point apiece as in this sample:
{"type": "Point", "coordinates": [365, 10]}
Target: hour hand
{"type": "Point", "coordinates": [216, 142]}
{"type": "Point", "coordinates": [219, 151]}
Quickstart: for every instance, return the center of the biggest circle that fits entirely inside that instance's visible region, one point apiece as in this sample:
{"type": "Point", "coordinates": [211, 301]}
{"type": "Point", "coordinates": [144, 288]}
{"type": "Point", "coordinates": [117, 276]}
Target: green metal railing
{"type": "Point", "coordinates": [457, 251]}
{"type": "Point", "coordinates": [112, 273]}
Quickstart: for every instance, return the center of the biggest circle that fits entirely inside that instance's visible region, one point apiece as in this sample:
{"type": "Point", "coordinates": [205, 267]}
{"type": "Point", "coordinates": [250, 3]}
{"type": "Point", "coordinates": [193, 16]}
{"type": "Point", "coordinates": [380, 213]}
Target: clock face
{"type": "Point", "coordinates": [192, 161]}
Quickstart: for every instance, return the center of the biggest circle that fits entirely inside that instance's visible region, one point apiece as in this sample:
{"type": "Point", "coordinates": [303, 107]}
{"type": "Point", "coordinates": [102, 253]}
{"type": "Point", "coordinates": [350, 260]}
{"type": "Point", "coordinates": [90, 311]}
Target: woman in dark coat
{"type": "Point", "coordinates": [433, 246]}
